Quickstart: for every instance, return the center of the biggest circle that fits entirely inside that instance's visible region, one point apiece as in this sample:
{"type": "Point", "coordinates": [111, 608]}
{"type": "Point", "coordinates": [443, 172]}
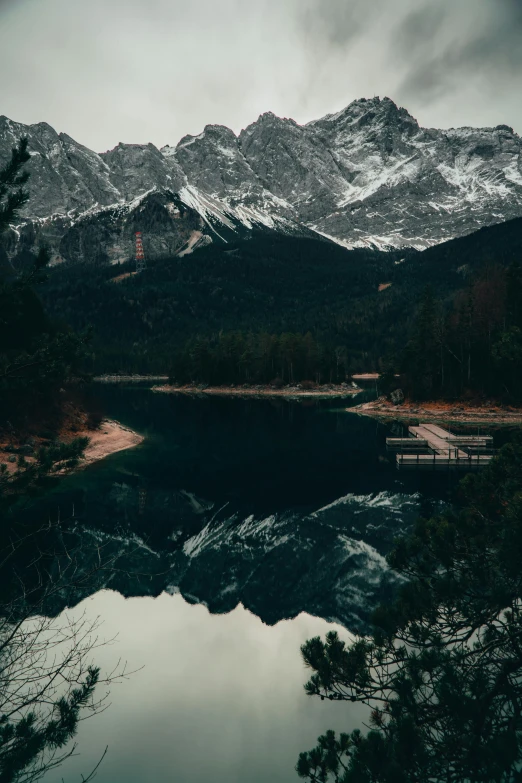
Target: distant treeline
{"type": "Point", "coordinates": [474, 346]}
{"type": "Point", "coordinates": [468, 346]}
{"type": "Point", "coordinates": [278, 307]}
{"type": "Point", "coordinates": [267, 285]}
{"type": "Point", "coordinates": [236, 357]}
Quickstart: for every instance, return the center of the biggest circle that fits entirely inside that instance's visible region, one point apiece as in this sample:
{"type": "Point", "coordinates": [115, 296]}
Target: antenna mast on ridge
{"type": "Point", "coordinates": [140, 256]}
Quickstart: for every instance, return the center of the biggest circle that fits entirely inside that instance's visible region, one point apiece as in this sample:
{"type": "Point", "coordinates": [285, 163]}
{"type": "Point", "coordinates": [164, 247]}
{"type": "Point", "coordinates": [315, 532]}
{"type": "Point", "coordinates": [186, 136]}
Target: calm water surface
{"type": "Point", "coordinates": [238, 529]}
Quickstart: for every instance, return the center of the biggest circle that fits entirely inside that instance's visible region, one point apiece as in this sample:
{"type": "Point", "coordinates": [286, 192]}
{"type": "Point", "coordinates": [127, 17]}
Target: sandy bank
{"type": "Point", "coordinates": [110, 438]}
{"type": "Point", "coordinates": [440, 411]}
{"type": "Point", "coordinates": [260, 391]}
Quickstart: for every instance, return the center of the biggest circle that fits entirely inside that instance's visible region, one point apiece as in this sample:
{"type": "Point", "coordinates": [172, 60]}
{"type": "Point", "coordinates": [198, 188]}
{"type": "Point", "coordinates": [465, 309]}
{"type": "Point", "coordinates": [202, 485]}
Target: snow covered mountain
{"type": "Point", "coordinates": [368, 175]}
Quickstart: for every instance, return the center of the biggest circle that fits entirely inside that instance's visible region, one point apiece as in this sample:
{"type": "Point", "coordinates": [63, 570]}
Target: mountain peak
{"type": "Point", "coordinates": [211, 134]}
{"type": "Point", "coordinates": [267, 122]}
{"type": "Point", "coordinates": [364, 111]}
{"type": "Point", "coordinates": [268, 117]}
{"type": "Point", "coordinates": [367, 174]}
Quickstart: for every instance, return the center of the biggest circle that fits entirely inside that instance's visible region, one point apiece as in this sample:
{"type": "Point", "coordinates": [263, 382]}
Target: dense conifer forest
{"type": "Point", "coordinates": [441, 672]}
{"type": "Point", "coordinates": [277, 307]}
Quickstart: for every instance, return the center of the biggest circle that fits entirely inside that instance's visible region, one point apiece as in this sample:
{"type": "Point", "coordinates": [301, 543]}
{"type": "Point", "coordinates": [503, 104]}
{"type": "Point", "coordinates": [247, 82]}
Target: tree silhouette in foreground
{"type": "Point", "coordinates": [36, 356]}
{"type": "Point", "coordinates": [48, 681]}
{"type": "Point", "coordinates": [442, 674]}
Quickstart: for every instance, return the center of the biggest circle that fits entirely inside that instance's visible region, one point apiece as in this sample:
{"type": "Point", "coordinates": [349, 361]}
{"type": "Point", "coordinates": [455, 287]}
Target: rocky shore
{"type": "Point", "coordinates": [440, 411]}
{"type": "Point", "coordinates": [129, 378]}
{"type": "Point", "coordinates": [295, 391]}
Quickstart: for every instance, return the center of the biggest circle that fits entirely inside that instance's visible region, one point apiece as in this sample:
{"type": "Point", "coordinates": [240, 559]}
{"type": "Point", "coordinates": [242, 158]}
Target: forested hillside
{"type": "Point", "coordinates": [475, 346]}
{"type": "Point", "coordinates": [271, 284]}
{"type": "Point", "coordinates": [357, 308]}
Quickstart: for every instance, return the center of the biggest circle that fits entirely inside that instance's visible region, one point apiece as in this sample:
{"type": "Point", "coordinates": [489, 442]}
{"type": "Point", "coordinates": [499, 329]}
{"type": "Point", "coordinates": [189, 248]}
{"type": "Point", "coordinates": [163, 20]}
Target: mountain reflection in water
{"type": "Point", "coordinates": [236, 531]}
{"type": "Point", "coordinates": [281, 506]}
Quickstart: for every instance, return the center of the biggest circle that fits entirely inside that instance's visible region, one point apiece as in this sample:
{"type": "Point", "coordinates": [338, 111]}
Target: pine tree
{"type": "Point", "coordinates": [35, 357]}
{"type": "Point", "coordinates": [41, 699]}
{"type": "Point", "coordinates": [442, 673]}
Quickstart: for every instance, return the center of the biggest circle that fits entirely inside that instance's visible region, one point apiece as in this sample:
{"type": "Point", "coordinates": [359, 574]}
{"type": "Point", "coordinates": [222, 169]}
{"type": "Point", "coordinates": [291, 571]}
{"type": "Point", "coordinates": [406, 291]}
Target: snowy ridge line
{"type": "Point", "coordinates": [209, 208]}
{"type": "Point", "coordinates": [96, 209]}
{"type": "Point", "coordinates": [368, 176]}
{"type": "Point", "coordinates": [205, 206]}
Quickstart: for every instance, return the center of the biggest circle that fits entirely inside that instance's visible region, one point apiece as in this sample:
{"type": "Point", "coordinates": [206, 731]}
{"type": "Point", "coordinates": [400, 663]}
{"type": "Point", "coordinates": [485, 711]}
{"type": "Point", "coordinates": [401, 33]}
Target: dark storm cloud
{"type": "Point", "coordinates": [439, 62]}
{"type": "Point", "coordinates": [515, 8]}
{"type": "Point", "coordinates": [419, 25]}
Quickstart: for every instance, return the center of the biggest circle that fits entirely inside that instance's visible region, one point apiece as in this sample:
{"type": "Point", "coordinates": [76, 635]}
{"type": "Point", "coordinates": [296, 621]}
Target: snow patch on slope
{"type": "Point", "coordinates": [393, 502]}
{"type": "Point", "coordinates": [265, 531]}
{"type": "Point", "coordinates": [209, 208]}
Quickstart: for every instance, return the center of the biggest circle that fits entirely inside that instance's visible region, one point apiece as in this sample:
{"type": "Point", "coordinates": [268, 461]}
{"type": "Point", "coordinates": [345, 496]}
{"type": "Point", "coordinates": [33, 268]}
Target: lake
{"type": "Point", "coordinates": [236, 531]}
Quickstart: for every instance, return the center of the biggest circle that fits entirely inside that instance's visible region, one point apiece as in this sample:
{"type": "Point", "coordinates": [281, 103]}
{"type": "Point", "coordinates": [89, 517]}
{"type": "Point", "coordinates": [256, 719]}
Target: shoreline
{"type": "Point", "coordinates": [440, 411]}
{"type": "Point", "coordinates": [128, 378]}
{"type": "Point", "coordinates": [261, 391]}
{"type": "Point", "coordinates": [110, 438]}
{"type": "Point", "coordinates": [114, 378]}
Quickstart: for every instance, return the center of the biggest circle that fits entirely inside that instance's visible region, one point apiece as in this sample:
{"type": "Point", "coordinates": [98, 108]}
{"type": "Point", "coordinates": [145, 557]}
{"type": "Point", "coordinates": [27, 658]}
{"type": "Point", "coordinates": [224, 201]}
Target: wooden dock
{"type": "Point", "coordinates": [436, 448]}
{"type": "Point", "coordinates": [435, 442]}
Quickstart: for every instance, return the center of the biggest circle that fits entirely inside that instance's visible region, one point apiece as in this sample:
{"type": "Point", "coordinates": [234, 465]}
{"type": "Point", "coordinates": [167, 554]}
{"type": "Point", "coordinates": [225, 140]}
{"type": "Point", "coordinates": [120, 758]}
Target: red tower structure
{"type": "Point", "coordinates": [140, 256]}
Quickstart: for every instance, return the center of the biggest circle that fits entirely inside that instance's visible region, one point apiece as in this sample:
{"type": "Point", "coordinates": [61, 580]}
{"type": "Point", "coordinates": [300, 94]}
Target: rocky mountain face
{"type": "Point", "coordinates": [102, 236]}
{"type": "Point", "coordinates": [368, 175]}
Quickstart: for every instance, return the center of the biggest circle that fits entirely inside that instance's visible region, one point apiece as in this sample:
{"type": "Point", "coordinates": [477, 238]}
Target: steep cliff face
{"type": "Point", "coordinates": [65, 176]}
{"type": "Point", "coordinates": [138, 168]}
{"type": "Point", "coordinates": [294, 163]}
{"type": "Point", "coordinates": [216, 163]}
{"type": "Point", "coordinates": [107, 235]}
{"type": "Point", "coordinates": [411, 185]}
{"type": "Point", "coordinates": [368, 175]}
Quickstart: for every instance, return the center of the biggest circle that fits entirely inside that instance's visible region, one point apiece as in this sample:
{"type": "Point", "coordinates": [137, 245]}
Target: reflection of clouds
{"type": "Point", "coordinates": [219, 698]}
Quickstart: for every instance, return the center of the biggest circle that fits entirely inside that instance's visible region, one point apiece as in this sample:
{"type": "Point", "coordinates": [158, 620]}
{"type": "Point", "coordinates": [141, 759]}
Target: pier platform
{"type": "Point", "coordinates": [430, 446]}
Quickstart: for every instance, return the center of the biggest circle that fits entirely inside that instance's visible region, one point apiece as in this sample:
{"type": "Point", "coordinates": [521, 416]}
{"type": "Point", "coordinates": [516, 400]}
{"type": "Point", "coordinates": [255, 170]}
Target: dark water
{"type": "Point", "coordinates": [237, 530]}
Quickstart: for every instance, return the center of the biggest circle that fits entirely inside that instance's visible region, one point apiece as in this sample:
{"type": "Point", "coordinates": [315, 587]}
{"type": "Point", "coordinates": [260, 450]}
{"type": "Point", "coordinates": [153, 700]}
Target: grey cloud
{"type": "Point", "coordinates": [419, 25]}
{"type": "Point", "coordinates": [493, 49]}
{"type": "Point", "coordinates": [333, 22]}
{"type": "Point", "coordinates": [155, 70]}
{"type": "Point", "coordinates": [427, 82]}
{"type": "Point", "coordinates": [514, 7]}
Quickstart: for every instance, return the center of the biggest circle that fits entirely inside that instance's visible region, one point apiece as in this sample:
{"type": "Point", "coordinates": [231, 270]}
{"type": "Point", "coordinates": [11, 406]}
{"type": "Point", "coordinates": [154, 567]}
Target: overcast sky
{"type": "Point", "coordinates": [106, 71]}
